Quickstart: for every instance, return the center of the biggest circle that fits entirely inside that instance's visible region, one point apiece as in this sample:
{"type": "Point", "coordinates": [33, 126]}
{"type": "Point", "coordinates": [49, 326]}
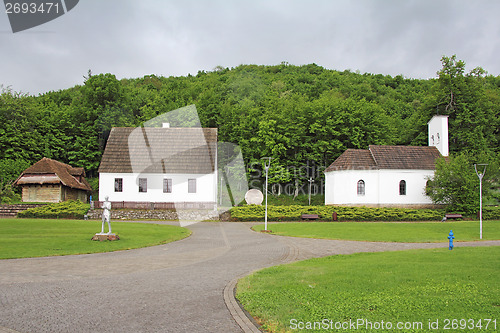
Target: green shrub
{"type": "Point", "coordinates": [294, 212]}
{"type": "Point", "coordinates": [67, 209]}
{"type": "Point", "coordinates": [10, 199]}
{"type": "Point", "coordinates": [8, 194]}
{"type": "Point", "coordinates": [491, 213]}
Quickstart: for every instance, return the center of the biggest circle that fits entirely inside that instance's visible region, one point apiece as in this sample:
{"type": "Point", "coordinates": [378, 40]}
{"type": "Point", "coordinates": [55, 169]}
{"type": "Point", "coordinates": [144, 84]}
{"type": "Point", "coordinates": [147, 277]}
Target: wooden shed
{"type": "Point", "coordinates": [52, 181]}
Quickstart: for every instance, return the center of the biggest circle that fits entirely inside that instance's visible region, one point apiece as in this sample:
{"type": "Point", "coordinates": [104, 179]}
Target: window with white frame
{"type": "Point", "coordinates": [143, 185]}
{"type": "Point", "coordinates": [192, 185]}
{"type": "Point", "coordinates": [361, 187]}
{"type": "Point", "coordinates": [167, 185]}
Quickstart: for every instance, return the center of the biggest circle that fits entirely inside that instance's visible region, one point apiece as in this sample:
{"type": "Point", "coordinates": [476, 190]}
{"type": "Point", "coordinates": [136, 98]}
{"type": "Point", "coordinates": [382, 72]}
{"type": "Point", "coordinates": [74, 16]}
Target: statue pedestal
{"type": "Point", "coordinates": [104, 237]}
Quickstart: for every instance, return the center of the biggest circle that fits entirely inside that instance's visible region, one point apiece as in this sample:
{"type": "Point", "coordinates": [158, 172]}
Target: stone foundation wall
{"type": "Point", "coordinates": [157, 214]}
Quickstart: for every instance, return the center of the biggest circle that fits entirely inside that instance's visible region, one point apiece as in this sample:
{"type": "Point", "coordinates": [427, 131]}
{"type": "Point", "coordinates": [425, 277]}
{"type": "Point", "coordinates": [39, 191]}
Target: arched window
{"type": "Point", "coordinates": [428, 187]}
{"type": "Point", "coordinates": [402, 187]}
{"type": "Point", "coordinates": [361, 187]}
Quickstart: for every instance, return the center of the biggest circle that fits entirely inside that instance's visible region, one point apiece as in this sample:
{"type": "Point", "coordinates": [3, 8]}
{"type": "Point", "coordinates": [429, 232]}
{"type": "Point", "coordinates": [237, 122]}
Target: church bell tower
{"type": "Point", "coordinates": [438, 134]}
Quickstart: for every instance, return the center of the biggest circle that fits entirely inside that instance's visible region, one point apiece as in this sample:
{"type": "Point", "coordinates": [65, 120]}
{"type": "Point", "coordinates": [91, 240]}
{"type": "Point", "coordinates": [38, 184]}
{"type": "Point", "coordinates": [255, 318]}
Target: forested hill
{"type": "Point", "coordinates": [293, 113]}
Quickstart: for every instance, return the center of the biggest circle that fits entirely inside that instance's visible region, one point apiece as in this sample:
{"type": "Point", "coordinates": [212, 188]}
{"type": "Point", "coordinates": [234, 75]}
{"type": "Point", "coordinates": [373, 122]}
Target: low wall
{"type": "Point", "coordinates": [157, 205]}
{"type": "Point", "coordinates": [157, 214]}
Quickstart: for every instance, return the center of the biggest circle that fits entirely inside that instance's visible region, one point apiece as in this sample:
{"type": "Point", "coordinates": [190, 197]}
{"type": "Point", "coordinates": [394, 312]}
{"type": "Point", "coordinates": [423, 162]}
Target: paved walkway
{"type": "Point", "coordinates": [185, 286]}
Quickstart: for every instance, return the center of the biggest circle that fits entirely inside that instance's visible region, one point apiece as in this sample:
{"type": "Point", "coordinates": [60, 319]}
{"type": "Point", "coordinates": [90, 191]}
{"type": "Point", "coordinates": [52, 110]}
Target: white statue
{"type": "Point", "coordinates": [106, 214]}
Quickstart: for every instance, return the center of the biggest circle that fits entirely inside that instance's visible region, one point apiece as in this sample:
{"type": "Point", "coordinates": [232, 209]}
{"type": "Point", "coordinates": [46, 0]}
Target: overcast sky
{"type": "Point", "coordinates": [133, 38]}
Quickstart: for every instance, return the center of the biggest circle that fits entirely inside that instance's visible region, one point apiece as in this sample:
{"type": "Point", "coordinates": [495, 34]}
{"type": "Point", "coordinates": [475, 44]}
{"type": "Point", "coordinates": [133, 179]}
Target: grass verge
{"type": "Point", "coordinates": [422, 232]}
{"type": "Point", "coordinates": [23, 238]}
{"type": "Point", "coordinates": [418, 287]}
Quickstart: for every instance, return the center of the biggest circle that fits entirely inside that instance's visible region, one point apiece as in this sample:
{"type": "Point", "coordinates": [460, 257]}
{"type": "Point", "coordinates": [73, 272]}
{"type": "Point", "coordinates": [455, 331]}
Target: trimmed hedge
{"type": "Point", "coordinates": [293, 213]}
{"type": "Point", "coordinates": [66, 209]}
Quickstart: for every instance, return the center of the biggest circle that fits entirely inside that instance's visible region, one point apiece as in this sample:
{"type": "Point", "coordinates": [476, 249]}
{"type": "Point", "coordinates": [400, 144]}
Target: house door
{"type": "Point", "coordinates": [32, 191]}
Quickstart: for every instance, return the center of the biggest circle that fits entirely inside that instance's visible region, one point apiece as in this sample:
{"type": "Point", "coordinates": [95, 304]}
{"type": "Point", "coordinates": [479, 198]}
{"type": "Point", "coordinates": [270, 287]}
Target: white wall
{"type": "Point", "coordinates": [341, 187]}
{"type": "Point", "coordinates": [206, 187]}
{"type": "Point", "coordinates": [438, 134]}
{"type": "Point", "coordinates": [381, 187]}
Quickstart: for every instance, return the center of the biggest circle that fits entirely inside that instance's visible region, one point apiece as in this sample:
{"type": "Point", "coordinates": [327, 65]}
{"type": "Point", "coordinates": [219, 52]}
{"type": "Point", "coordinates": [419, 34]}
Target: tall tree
{"type": "Point", "coordinates": [463, 97]}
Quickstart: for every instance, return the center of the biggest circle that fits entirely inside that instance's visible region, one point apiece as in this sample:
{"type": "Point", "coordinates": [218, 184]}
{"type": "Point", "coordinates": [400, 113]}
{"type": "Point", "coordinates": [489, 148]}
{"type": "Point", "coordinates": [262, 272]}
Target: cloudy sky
{"type": "Point", "coordinates": [133, 38]}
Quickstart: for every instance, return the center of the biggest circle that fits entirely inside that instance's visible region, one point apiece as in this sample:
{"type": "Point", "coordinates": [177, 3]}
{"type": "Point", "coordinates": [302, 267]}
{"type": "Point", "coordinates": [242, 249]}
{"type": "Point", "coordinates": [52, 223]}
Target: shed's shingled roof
{"type": "Point", "coordinates": [51, 171]}
{"type": "Point", "coordinates": [160, 150]}
{"type": "Point", "coordinates": [387, 157]}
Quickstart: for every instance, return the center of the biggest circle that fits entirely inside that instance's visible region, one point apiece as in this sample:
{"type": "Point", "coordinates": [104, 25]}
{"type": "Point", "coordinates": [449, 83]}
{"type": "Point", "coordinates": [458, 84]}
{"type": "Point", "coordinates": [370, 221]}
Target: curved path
{"type": "Point", "coordinates": [185, 286]}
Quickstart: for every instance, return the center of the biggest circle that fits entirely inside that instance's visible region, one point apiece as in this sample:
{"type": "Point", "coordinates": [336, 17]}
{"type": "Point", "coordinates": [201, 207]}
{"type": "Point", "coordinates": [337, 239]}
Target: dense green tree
{"type": "Point", "coordinates": [9, 171]}
{"type": "Point", "coordinates": [463, 97]}
{"type": "Point", "coordinates": [102, 90]}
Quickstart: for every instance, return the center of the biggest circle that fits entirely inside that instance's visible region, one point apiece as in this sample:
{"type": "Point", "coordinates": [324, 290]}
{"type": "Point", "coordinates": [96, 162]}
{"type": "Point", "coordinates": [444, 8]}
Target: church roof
{"type": "Point", "coordinates": [49, 171]}
{"type": "Point", "coordinates": [160, 150]}
{"type": "Point", "coordinates": [387, 157]}
{"type": "Point", "coordinates": [353, 159]}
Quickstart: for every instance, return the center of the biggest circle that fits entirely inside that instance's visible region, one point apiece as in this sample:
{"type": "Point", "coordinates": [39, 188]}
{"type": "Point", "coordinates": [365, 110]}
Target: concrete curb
{"type": "Point", "coordinates": [236, 311]}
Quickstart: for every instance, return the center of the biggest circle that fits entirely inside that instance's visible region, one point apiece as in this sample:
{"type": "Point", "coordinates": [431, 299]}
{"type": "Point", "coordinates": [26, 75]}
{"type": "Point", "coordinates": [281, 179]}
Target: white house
{"type": "Point", "coordinates": [165, 167]}
{"type": "Point", "coordinates": [384, 176]}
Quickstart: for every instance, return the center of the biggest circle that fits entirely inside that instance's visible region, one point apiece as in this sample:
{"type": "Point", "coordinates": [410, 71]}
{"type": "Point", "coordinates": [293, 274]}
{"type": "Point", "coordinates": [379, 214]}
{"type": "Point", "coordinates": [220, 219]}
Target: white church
{"type": "Point", "coordinates": [387, 176]}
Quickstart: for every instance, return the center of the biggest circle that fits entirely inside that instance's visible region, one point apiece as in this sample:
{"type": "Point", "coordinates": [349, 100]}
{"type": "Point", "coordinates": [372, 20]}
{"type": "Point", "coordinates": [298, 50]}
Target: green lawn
{"type": "Point", "coordinates": [421, 232]}
{"type": "Point", "coordinates": [22, 238]}
{"type": "Point", "coordinates": [408, 287]}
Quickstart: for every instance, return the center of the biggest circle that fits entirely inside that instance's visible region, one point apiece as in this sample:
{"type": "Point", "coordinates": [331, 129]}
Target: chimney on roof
{"type": "Point", "coordinates": [438, 134]}
{"type": "Point", "coordinates": [165, 125]}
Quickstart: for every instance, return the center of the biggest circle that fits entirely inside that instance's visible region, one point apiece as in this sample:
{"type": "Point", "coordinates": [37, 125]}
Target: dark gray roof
{"type": "Point", "coordinates": [387, 157]}
{"type": "Point", "coordinates": [160, 150]}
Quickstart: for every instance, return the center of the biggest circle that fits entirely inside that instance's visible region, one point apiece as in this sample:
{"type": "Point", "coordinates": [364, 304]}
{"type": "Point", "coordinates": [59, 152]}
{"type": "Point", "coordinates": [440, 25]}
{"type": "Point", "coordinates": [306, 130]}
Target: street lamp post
{"type": "Point", "coordinates": [311, 180]}
{"type": "Point", "coordinates": [266, 166]}
{"type": "Point", "coordinates": [480, 176]}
